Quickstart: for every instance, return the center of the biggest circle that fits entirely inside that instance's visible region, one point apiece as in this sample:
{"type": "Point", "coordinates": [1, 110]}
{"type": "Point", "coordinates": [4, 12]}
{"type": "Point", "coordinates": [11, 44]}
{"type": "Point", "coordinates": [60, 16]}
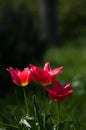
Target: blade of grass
{"type": "Point", "coordinates": [8, 125]}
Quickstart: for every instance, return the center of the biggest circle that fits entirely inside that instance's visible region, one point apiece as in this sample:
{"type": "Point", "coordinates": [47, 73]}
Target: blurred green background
{"type": "Point", "coordinates": [21, 44]}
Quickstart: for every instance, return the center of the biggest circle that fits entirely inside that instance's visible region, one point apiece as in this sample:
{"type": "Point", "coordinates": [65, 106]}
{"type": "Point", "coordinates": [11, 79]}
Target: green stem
{"type": "Point", "coordinates": [58, 115]}
{"type": "Point", "coordinates": [25, 98]}
{"type": "Point", "coordinates": [36, 113]}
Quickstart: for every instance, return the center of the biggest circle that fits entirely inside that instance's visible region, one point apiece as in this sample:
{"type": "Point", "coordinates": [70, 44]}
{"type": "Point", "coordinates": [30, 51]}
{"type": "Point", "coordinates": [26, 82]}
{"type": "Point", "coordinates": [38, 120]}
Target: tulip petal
{"type": "Point", "coordinates": [21, 78]}
{"type": "Point", "coordinates": [57, 92]}
{"type": "Point", "coordinates": [47, 66]}
{"type": "Point", "coordinates": [56, 71]}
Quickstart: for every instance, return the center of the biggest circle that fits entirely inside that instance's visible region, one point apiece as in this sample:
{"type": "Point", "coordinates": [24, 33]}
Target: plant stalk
{"type": "Point", "coordinates": [58, 115]}
{"type": "Point", "coordinates": [25, 99]}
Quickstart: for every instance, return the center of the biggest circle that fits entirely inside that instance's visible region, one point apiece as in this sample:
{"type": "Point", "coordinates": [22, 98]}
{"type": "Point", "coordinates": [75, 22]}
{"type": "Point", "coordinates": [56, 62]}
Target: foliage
{"type": "Point", "coordinates": [72, 18]}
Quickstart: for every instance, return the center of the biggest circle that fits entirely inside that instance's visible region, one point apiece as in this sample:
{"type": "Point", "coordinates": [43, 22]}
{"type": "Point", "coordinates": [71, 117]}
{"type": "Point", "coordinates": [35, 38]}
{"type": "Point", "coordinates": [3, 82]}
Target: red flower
{"type": "Point", "coordinates": [57, 92]}
{"type": "Point", "coordinates": [44, 76]}
{"type": "Point", "coordinates": [21, 78]}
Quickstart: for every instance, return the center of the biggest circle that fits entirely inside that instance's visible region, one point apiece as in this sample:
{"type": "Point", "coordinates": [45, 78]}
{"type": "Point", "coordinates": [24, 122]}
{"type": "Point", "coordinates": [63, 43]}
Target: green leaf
{"type": "Point", "coordinates": [25, 123]}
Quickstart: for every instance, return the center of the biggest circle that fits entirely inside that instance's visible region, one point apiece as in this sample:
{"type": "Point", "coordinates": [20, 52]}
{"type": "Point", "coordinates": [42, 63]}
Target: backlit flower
{"type": "Point", "coordinates": [44, 76]}
{"type": "Point", "coordinates": [58, 93]}
{"type": "Point", "coordinates": [20, 78]}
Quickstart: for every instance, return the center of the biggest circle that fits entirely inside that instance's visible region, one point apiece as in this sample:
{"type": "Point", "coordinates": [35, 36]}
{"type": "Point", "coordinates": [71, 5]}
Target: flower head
{"type": "Point", "coordinates": [20, 78]}
{"type": "Point", "coordinates": [58, 93]}
{"type": "Point", "coordinates": [44, 76]}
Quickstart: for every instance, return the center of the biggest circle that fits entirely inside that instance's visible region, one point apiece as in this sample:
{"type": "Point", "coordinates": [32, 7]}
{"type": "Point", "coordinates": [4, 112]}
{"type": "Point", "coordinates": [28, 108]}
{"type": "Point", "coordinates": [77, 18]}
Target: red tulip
{"type": "Point", "coordinates": [57, 92]}
{"type": "Point", "coordinates": [44, 76]}
{"type": "Point", "coordinates": [21, 78]}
